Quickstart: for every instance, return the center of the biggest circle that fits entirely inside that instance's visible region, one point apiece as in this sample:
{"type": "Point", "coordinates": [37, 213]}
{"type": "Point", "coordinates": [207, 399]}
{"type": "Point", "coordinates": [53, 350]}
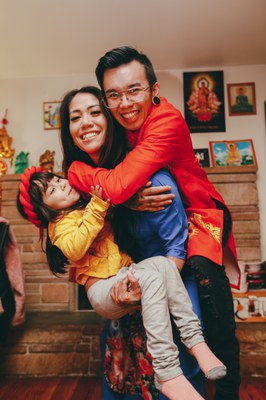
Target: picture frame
{"type": "Point", "coordinates": [204, 101]}
{"type": "Point", "coordinates": [51, 118]}
{"type": "Point", "coordinates": [233, 153]}
{"type": "Point", "coordinates": [203, 157]}
{"type": "Point", "coordinates": [250, 306]}
{"type": "Point", "coordinates": [241, 99]}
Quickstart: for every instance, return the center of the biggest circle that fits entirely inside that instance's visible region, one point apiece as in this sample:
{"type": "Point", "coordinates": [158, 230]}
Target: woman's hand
{"type": "Point", "coordinates": [150, 198]}
{"type": "Point", "coordinates": [126, 291]}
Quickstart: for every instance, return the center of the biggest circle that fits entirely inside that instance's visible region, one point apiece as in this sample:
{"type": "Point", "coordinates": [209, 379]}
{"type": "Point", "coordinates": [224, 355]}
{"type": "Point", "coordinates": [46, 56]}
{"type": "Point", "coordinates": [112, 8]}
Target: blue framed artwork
{"type": "Point", "coordinates": [233, 153]}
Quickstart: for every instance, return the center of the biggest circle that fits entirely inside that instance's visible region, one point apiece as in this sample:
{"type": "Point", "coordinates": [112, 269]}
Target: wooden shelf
{"type": "Point", "coordinates": [251, 319]}
{"type": "Point", "coordinates": [258, 293]}
{"type": "Point", "coordinates": [231, 170]}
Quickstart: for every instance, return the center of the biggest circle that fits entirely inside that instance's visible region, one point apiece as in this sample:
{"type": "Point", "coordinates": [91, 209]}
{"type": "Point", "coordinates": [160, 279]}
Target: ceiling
{"type": "Point", "coordinates": [62, 37]}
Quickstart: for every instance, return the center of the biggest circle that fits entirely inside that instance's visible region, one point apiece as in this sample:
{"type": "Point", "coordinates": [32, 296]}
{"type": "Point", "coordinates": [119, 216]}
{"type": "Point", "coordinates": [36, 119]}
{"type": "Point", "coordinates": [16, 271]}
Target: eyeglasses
{"type": "Point", "coordinates": [133, 95]}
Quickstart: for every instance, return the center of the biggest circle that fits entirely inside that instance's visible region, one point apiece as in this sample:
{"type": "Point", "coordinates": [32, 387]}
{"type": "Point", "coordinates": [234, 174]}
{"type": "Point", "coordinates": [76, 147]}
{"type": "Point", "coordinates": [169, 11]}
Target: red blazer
{"type": "Point", "coordinates": [164, 140]}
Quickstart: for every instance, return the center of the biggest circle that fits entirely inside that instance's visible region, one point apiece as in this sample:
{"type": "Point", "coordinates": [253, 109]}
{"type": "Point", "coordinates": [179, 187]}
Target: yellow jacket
{"type": "Point", "coordinates": [88, 242]}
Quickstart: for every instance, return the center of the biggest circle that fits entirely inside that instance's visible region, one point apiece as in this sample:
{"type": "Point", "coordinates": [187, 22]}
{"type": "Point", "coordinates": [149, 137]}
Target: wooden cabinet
{"type": "Point", "coordinates": [237, 185]}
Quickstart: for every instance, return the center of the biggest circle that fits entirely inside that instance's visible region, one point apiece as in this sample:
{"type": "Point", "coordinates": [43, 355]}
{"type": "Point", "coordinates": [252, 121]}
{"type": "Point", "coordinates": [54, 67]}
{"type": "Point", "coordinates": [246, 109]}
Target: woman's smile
{"type": "Point", "coordinates": [87, 124]}
{"type": "Point", "coordinates": [89, 135]}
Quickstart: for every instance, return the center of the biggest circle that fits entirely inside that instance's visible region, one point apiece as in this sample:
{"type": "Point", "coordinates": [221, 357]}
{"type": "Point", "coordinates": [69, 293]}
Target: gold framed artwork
{"type": "Point", "coordinates": [233, 153]}
{"type": "Point", "coordinates": [241, 98]}
{"type": "Point", "coordinates": [51, 118]}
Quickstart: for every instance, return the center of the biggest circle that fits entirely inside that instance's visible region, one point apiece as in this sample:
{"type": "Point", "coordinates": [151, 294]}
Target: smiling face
{"type": "Point", "coordinates": [59, 194]}
{"type": "Point", "coordinates": [127, 76]}
{"type": "Point", "coordinates": [87, 124]}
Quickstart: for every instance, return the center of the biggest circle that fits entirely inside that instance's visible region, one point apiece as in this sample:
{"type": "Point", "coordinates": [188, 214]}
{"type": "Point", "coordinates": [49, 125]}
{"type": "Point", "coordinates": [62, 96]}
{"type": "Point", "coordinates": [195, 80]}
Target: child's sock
{"type": "Point", "coordinates": [178, 388]}
{"type": "Point", "coordinates": [212, 367]}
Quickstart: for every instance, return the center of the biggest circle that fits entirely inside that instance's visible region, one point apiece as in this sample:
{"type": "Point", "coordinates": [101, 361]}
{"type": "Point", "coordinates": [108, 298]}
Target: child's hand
{"type": "Point", "coordinates": [98, 191]}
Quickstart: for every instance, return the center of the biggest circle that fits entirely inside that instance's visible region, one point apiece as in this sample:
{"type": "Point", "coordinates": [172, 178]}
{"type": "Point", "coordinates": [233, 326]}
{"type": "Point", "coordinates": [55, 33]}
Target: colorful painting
{"type": "Point", "coordinates": [204, 101]}
{"type": "Point", "coordinates": [51, 118]}
{"type": "Point", "coordinates": [233, 153]}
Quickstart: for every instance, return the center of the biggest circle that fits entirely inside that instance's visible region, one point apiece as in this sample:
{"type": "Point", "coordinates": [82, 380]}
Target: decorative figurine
{"type": "Point", "coordinates": [21, 162]}
{"type": "Point", "coordinates": [3, 167]}
{"type": "Point", "coordinates": [5, 142]}
{"type": "Point", "coordinates": [46, 160]}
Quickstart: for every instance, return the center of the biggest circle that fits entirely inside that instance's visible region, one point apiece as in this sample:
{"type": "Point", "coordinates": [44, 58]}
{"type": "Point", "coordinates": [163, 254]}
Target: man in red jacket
{"type": "Point", "coordinates": [157, 137]}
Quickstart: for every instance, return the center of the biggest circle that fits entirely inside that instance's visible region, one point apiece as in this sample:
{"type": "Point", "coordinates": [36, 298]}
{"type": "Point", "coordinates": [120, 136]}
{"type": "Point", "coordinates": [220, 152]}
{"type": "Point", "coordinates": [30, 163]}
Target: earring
{"type": "Point", "coordinates": [156, 101]}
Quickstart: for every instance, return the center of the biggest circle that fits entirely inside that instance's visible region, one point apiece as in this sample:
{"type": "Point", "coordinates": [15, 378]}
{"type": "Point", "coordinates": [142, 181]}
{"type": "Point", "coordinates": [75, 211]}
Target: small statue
{"type": "Point", "coordinates": [46, 160]}
{"type": "Point", "coordinates": [3, 167]}
{"type": "Point", "coordinates": [5, 142]}
{"type": "Point", "coordinates": [21, 162]}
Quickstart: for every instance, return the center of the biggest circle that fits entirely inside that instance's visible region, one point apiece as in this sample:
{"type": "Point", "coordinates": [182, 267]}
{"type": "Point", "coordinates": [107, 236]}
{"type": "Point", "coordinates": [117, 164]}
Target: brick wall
{"type": "Point", "coordinates": [53, 344]}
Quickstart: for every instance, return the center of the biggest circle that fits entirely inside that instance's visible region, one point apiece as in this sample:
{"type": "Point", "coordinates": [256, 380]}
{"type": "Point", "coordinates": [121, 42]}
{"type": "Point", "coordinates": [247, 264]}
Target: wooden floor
{"type": "Point", "coordinates": [82, 388]}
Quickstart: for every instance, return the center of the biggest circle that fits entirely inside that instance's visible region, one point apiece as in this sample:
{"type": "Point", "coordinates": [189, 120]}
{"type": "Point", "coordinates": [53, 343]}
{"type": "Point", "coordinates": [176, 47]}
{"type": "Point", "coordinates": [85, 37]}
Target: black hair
{"type": "Point", "coordinates": [113, 151]}
{"type": "Point", "coordinates": [120, 56]}
{"type": "Point", "coordinates": [114, 148]}
{"type": "Point", "coordinates": [38, 185]}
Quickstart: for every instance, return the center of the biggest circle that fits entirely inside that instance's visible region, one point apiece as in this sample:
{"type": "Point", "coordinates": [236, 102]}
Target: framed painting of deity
{"type": "Point", "coordinates": [241, 98]}
{"type": "Point", "coordinates": [233, 153]}
{"type": "Point", "coordinates": [204, 101]}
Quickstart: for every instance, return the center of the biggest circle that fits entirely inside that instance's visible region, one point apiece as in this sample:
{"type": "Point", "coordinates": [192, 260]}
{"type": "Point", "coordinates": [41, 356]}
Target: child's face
{"type": "Point", "coordinates": [59, 194]}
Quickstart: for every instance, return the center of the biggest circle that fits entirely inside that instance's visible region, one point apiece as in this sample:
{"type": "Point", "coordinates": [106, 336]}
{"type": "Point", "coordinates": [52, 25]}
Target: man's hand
{"type": "Point", "coordinates": [126, 291]}
{"type": "Point", "coordinates": [150, 198]}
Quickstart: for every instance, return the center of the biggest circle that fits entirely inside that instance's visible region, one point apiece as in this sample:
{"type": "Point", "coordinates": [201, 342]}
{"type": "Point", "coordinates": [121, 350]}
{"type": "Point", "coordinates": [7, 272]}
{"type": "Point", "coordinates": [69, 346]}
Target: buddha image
{"type": "Point", "coordinates": [242, 104]}
{"type": "Point", "coordinates": [203, 101]}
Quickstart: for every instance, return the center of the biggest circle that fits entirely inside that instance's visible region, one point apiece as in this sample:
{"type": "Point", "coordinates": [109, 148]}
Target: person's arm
{"type": "Point", "coordinates": [74, 238]}
{"type": "Point", "coordinates": [164, 137]}
{"type": "Point", "coordinates": [150, 198]}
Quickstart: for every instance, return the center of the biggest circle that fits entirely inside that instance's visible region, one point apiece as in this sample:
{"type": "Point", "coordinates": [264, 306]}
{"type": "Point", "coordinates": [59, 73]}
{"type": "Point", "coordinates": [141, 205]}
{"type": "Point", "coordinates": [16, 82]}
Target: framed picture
{"type": "Point", "coordinates": [204, 101]}
{"type": "Point", "coordinates": [241, 98]}
{"type": "Point", "coordinates": [233, 153]}
{"type": "Point", "coordinates": [203, 157]}
{"type": "Point", "coordinates": [51, 115]}
{"type": "Point", "coordinates": [250, 307]}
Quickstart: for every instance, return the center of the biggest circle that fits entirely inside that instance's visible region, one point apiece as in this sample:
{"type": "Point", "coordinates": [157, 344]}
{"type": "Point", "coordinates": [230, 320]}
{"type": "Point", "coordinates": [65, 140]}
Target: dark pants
{"type": "Point", "coordinates": [218, 317]}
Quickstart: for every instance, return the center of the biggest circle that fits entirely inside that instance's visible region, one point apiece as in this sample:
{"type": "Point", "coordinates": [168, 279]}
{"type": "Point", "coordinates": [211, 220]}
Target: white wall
{"type": "Point", "coordinates": [24, 99]}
